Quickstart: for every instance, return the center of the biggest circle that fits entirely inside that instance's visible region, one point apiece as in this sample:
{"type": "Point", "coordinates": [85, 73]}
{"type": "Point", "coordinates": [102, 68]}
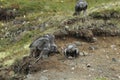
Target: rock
{"type": "Point", "coordinates": [85, 53]}
{"type": "Point", "coordinates": [11, 73]}
{"type": "Point", "coordinates": [77, 43]}
{"type": "Point", "coordinates": [72, 72]}
{"type": "Point", "coordinates": [113, 59]}
{"type": "Point", "coordinates": [88, 65]}
{"type": "Point", "coordinates": [89, 75]}
{"type": "Point", "coordinates": [73, 68]}
{"type": "Point", "coordinates": [119, 77]}
{"type": "Point", "coordinates": [113, 46]}
{"type": "Point", "coordinates": [18, 21]}
{"type": "Point", "coordinates": [43, 78]}
{"type": "Point", "coordinates": [70, 57]}
{"type": "Point", "coordinates": [115, 49]}
{"type": "Point", "coordinates": [107, 57]}
{"type": "Point", "coordinates": [81, 54]}
{"type": "Point", "coordinates": [93, 48]}
{"type": "Point", "coordinates": [45, 71]}
{"type": "Point", "coordinates": [29, 76]}
{"type": "Point", "coordinates": [94, 39]}
{"type": "Point", "coordinates": [118, 53]}
{"type": "Point", "coordinates": [66, 27]}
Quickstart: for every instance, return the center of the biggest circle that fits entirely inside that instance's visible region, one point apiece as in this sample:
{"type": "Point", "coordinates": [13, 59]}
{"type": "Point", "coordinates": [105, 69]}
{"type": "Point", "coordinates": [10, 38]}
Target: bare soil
{"type": "Point", "coordinates": [102, 61]}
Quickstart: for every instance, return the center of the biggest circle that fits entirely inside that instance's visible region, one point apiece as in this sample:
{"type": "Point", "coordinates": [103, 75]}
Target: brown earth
{"type": "Point", "coordinates": [102, 62]}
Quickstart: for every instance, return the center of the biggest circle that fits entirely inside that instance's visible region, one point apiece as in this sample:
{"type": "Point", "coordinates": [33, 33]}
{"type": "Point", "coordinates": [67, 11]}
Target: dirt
{"type": "Point", "coordinates": [102, 61]}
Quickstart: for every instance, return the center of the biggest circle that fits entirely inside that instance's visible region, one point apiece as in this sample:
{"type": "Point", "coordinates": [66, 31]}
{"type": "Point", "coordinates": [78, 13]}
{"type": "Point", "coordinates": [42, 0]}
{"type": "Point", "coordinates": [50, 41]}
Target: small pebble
{"type": "Point", "coordinates": [113, 46]}
{"type": "Point", "coordinates": [115, 49]}
{"type": "Point", "coordinates": [85, 53]}
{"type": "Point", "coordinates": [92, 69]}
{"type": "Point", "coordinates": [93, 47]}
{"type": "Point", "coordinates": [95, 39]}
{"type": "Point", "coordinates": [81, 53]}
{"type": "Point", "coordinates": [119, 77]}
{"type": "Point", "coordinates": [45, 71]}
{"type": "Point", "coordinates": [66, 27]}
{"type": "Point", "coordinates": [117, 53]}
{"type": "Point", "coordinates": [89, 75]}
{"type": "Point", "coordinates": [88, 65]}
{"type": "Point", "coordinates": [11, 73]}
{"type": "Point", "coordinates": [43, 78]}
{"type": "Point", "coordinates": [77, 43]}
{"type": "Point", "coordinates": [107, 56]}
{"type": "Point", "coordinates": [113, 59]}
{"type": "Point", "coordinates": [70, 57]}
{"type": "Point", "coordinates": [24, 16]}
{"type": "Point", "coordinates": [72, 72]}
